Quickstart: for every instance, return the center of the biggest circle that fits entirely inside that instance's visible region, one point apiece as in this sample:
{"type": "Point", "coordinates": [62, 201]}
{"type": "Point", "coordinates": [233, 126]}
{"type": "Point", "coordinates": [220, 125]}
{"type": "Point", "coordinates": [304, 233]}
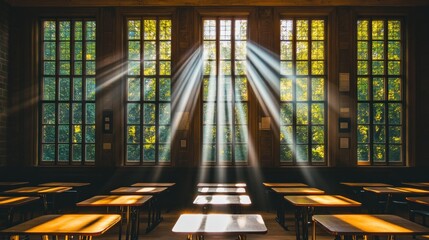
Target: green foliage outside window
{"type": "Point", "coordinates": [379, 91]}
{"type": "Point", "coordinates": [148, 111]}
{"type": "Point", "coordinates": [302, 91]}
{"type": "Point", "coordinates": [68, 91]}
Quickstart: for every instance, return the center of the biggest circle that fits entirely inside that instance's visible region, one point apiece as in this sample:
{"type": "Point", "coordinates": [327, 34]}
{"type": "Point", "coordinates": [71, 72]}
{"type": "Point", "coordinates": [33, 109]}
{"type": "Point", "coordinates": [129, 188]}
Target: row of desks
{"type": "Point", "coordinates": [306, 199]}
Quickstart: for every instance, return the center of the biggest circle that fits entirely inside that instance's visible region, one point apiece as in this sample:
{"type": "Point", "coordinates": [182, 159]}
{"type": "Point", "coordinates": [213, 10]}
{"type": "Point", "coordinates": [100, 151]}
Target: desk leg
{"type": "Point", "coordinates": [121, 211]}
{"type": "Point", "coordinates": [388, 203]}
{"type": "Point", "coordinates": [134, 223]}
{"type": "Point", "coordinates": [314, 230]}
{"type": "Point", "coordinates": [128, 219]}
{"type": "Point", "coordinates": [189, 237]}
{"type": "Point", "coordinates": [14, 237]}
{"type": "Point", "coordinates": [242, 237]}
{"type": "Point", "coordinates": [281, 212]}
{"type": "Point", "coordinates": [298, 220]}
{"type": "Point", "coordinates": [10, 217]}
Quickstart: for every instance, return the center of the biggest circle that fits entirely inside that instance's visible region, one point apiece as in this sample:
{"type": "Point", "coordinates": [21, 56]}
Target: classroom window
{"type": "Point", "coordinates": [148, 91]}
{"type": "Point", "coordinates": [225, 92]}
{"type": "Point", "coordinates": [67, 106]}
{"type": "Point", "coordinates": [303, 75]}
{"type": "Point", "coordinates": [380, 91]}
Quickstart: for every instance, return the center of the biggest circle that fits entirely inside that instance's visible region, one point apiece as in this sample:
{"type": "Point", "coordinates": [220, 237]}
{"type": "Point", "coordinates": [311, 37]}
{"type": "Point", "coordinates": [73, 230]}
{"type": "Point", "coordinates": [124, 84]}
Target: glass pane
{"type": "Point", "coordinates": [286, 68]}
{"type": "Point", "coordinates": [317, 29]}
{"type": "Point", "coordinates": [209, 113]}
{"type": "Point", "coordinates": [286, 49]}
{"type": "Point", "coordinates": [149, 113]}
{"type": "Point", "coordinates": [90, 67]}
{"type": "Point", "coordinates": [49, 30]}
{"type": "Point", "coordinates": [49, 88]}
{"type": "Point", "coordinates": [78, 51]}
{"type": "Point", "coordinates": [378, 30]}
{"type": "Point", "coordinates": [317, 113]}
{"type": "Point", "coordinates": [286, 153]}
{"type": "Point", "coordinates": [133, 134]}
{"type": "Point", "coordinates": [48, 152]}
{"type": "Point", "coordinates": [78, 30]}
{"type": "Point", "coordinates": [63, 152]}
{"type": "Point", "coordinates": [395, 153]}
{"type": "Point", "coordinates": [286, 134]}
{"type": "Point", "coordinates": [64, 68]}
{"type": "Point", "coordinates": [394, 50]}
{"type": "Point", "coordinates": [379, 153]}
{"type": "Point", "coordinates": [318, 89]}
{"type": "Point", "coordinates": [209, 153]}
{"type": "Point", "coordinates": [317, 67]}
{"type": "Point", "coordinates": [225, 153]}
{"type": "Point", "coordinates": [49, 134]}
{"type": "Point", "coordinates": [393, 67]}
{"type": "Point", "coordinates": [209, 134]}
{"type": "Point", "coordinates": [90, 153]}
{"type": "Point", "coordinates": [318, 133]}
{"type": "Point", "coordinates": [90, 134]}
{"type": "Point", "coordinates": [363, 113]}
{"type": "Point", "coordinates": [302, 89]}
{"type": "Point", "coordinates": [48, 113]}
{"type": "Point", "coordinates": [362, 50]}
{"type": "Point", "coordinates": [164, 68]}
{"type": "Point", "coordinates": [241, 113]}
{"type": "Point", "coordinates": [77, 152]}
{"type": "Point", "coordinates": [302, 113]}
{"type": "Point", "coordinates": [225, 29]}
{"type": "Point", "coordinates": [63, 133]}
{"type": "Point", "coordinates": [49, 68]}
{"type": "Point", "coordinates": [363, 152]}
{"type": "Point", "coordinates": [149, 153]}
{"type": "Point", "coordinates": [64, 89]}
{"type": "Point", "coordinates": [149, 29]}
{"type": "Point", "coordinates": [286, 113]}
{"type": "Point", "coordinates": [165, 89]}
{"type": "Point", "coordinates": [286, 29]}
{"type": "Point", "coordinates": [395, 135]}
{"type": "Point", "coordinates": [209, 29]}
{"type": "Point", "coordinates": [77, 113]}
{"type": "Point", "coordinates": [225, 67]}
{"type": "Point", "coordinates": [302, 50]}
{"type": "Point", "coordinates": [63, 113]}
{"type": "Point", "coordinates": [134, 27]}
{"type": "Point", "coordinates": [378, 67]}
{"type": "Point", "coordinates": [164, 113]}
{"type": "Point", "coordinates": [78, 68]}
{"type": "Point", "coordinates": [240, 50]}
{"type": "Point", "coordinates": [90, 88]}
{"type": "Point", "coordinates": [378, 88]}
{"type": "Point", "coordinates": [318, 153]}
{"type": "Point", "coordinates": [362, 68]}
{"type": "Point", "coordinates": [90, 113]}
{"type": "Point", "coordinates": [149, 134]}
{"type": "Point", "coordinates": [149, 68]}
{"type": "Point", "coordinates": [394, 30]}
{"type": "Point", "coordinates": [362, 89]}
{"type": "Point", "coordinates": [379, 133]}
{"type": "Point", "coordinates": [301, 134]}
{"type": "Point", "coordinates": [241, 29]}
{"type": "Point", "coordinates": [165, 50]}
{"type": "Point", "coordinates": [395, 113]}
{"type": "Point", "coordinates": [49, 51]}
{"type": "Point", "coordinates": [286, 89]}
{"type": "Point", "coordinates": [302, 153]}
{"type": "Point", "coordinates": [64, 30]}
{"type": "Point", "coordinates": [164, 153]}
{"type": "Point", "coordinates": [362, 29]}
{"type": "Point", "coordinates": [165, 29]}
{"type": "Point", "coordinates": [149, 51]}
{"type": "Point", "coordinates": [77, 89]}
{"type": "Point", "coordinates": [90, 51]}
{"type": "Point", "coordinates": [133, 153]}
{"type": "Point", "coordinates": [90, 30]}
{"type": "Point", "coordinates": [377, 50]}
{"type": "Point", "coordinates": [379, 113]}
{"type": "Point", "coordinates": [363, 134]}
{"type": "Point", "coordinates": [133, 113]}
{"type": "Point", "coordinates": [317, 50]}
{"type": "Point", "coordinates": [164, 134]}
{"type": "Point", "coordinates": [134, 50]}
{"type": "Point", "coordinates": [302, 68]}
{"type": "Point", "coordinates": [149, 89]}
{"type": "Point", "coordinates": [241, 135]}
{"type": "Point", "coordinates": [302, 30]}
{"type": "Point", "coordinates": [241, 153]}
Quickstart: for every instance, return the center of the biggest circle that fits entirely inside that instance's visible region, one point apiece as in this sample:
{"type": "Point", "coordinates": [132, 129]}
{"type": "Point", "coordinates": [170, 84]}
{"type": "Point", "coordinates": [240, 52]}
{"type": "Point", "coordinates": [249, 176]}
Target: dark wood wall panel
{"type": "Point", "coordinates": [4, 72]}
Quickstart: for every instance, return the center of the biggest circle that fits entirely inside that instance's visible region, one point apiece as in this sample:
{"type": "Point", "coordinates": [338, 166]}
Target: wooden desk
{"type": "Point", "coordinates": [226, 190]}
{"type": "Point", "coordinates": [391, 191]}
{"type": "Point", "coordinates": [280, 203]}
{"type": "Point", "coordinates": [154, 210]}
{"type": "Point", "coordinates": [229, 185]}
{"type": "Point", "coordinates": [219, 224]}
{"type": "Point", "coordinates": [83, 225]}
{"type": "Point", "coordinates": [129, 205]}
{"type": "Point", "coordinates": [43, 192]}
{"type": "Point", "coordinates": [12, 183]}
{"type": "Point", "coordinates": [64, 184]}
{"type": "Point", "coordinates": [365, 184]}
{"type": "Point", "coordinates": [152, 184]}
{"type": "Point", "coordinates": [419, 200]}
{"type": "Point", "coordinates": [11, 203]}
{"type": "Point", "coordinates": [417, 184]}
{"type": "Point", "coordinates": [271, 185]}
{"type": "Point", "coordinates": [235, 201]}
{"type": "Point", "coordinates": [306, 204]}
{"type": "Point", "coordinates": [364, 224]}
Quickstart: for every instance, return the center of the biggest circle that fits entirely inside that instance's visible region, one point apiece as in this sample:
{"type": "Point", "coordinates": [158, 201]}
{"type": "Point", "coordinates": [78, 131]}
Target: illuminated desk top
{"type": "Point", "coordinates": [231, 190]}
{"type": "Point", "coordinates": [322, 201]}
{"type": "Point", "coordinates": [419, 200]}
{"type": "Point", "coordinates": [152, 184]}
{"type": "Point", "coordinates": [365, 184]}
{"type": "Point", "coordinates": [222, 185]}
{"type": "Point", "coordinates": [220, 224]}
{"type": "Point", "coordinates": [222, 200]}
{"type": "Point", "coordinates": [9, 201]}
{"type": "Point", "coordinates": [285, 184]}
{"type": "Point", "coordinates": [38, 190]}
{"type": "Point", "coordinates": [365, 224]}
{"type": "Point", "coordinates": [115, 200]}
{"type": "Point", "coordinates": [64, 184]}
{"type": "Point", "coordinates": [396, 190]}
{"type": "Point", "coordinates": [298, 191]}
{"type": "Point", "coordinates": [139, 190]}
{"type": "Point", "coordinates": [67, 224]}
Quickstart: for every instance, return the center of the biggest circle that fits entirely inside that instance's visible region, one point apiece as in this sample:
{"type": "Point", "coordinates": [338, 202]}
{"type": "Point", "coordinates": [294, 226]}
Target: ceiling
{"type": "Point", "coordinates": [118, 3]}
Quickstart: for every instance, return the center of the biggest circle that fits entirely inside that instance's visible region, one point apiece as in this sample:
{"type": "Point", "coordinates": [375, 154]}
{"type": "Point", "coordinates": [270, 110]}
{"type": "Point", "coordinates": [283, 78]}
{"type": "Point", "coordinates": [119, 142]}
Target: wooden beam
{"type": "Point", "coordinates": [124, 3]}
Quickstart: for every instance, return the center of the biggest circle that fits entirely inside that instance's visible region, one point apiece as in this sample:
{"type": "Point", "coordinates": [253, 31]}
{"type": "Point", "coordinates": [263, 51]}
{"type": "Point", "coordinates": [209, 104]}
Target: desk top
{"type": "Point", "coordinates": [322, 201]}
{"type": "Point", "coordinates": [10, 201]}
{"type": "Point", "coordinates": [285, 184]}
{"type": "Point", "coordinates": [67, 224]}
{"type": "Point", "coordinates": [365, 184]}
{"type": "Point", "coordinates": [220, 224]}
{"type": "Point", "coordinates": [222, 200]}
{"type": "Point", "coordinates": [298, 191]}
{"type": "Point", "coordinates": [12, 183]}
{"type": "Point", "coordinates": [38, 190]}
{"type": "Point", "coordinates": [419, 200]}
{"type": "Point", "coordinates": [231, 190]}
{"type": "Point", "coordinates": [417, 184]}
{"type": "Point", "coordinates": [64, 184]}
{"type": "Point", "coordinates": [365, 224]}
{"type": "Point", "coordinates": [222, 185]}
{"type": "Point", "coordinates": [139, 190]}
{"type": "Point", "coordinates": [152, 184]}
{"type": "Point", "coordinates": [396, 190]}
{"type": "Point", "coordinates": [115, 200]}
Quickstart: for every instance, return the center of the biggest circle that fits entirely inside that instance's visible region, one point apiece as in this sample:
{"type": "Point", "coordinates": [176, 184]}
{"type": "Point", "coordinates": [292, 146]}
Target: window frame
{"type": "Point", "coordinates": [405, 78]}
{"type": "Point", "coordinates": [40, 81]}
